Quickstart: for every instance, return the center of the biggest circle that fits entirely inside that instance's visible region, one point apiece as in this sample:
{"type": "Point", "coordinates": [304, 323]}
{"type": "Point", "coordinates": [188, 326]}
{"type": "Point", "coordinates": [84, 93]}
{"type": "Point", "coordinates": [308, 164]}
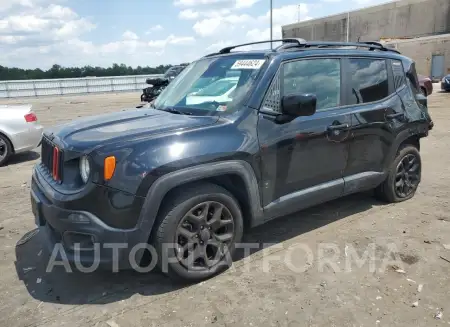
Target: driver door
{"type": "Point", "coordinates": [303, 160]}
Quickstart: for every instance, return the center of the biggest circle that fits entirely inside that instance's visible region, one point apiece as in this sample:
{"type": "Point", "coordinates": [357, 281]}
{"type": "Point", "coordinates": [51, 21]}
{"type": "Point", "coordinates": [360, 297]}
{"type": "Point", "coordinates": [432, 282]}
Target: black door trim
{"type": "Point", "coordinates": [322, 193]}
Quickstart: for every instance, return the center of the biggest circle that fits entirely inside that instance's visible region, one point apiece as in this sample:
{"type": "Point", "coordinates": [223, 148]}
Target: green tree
{"type": "Point", "coordinates": [57, 71]}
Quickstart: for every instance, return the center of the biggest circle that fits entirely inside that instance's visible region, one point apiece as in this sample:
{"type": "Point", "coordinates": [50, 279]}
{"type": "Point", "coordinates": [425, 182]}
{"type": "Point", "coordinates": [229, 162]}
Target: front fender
{"type": "Point", "coordinates": [164, 184]}
{"type": "Point", "coordinates": [141, 161]}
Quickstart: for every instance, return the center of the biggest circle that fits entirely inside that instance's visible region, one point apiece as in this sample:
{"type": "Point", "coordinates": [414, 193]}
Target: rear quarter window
{"type": "Point", "coordinates": [399, 74]}
{"type": "Point", "coordinates": [412, 80]}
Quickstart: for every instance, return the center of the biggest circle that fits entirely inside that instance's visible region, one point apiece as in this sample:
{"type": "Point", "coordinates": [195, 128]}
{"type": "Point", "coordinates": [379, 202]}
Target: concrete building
{"type": "Point", "coordinates": [418, 28]}
{"type": "Point", "coordinates": [431, 53]}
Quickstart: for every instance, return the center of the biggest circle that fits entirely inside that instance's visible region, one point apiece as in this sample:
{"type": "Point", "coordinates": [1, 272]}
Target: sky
{"type": "Point", "coordinates": [40, 33]}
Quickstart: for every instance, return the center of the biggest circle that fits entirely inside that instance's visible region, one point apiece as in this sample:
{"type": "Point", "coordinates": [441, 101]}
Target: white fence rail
{"type": "Point", "coordinates": [70, 86]}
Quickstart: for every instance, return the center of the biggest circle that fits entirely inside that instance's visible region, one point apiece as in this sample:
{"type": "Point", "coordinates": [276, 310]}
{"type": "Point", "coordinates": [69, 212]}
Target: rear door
{"type": "Point", "coordinates": [377, 116]}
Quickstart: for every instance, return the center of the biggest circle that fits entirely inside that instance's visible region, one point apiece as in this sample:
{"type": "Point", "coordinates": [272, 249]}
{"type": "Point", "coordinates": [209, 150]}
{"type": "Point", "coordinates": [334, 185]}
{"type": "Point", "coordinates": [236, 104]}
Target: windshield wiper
{"type": "Point", "coordinates": [175, 111]}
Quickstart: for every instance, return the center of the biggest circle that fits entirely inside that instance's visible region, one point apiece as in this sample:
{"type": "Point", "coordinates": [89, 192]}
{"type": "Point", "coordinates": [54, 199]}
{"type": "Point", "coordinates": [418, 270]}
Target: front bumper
{"type": "Point", "coordinates": [100, 244]}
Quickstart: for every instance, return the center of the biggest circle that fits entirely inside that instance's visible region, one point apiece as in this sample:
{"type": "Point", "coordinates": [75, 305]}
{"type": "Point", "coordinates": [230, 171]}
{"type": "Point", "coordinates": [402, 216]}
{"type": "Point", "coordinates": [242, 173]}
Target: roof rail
{"type": "Point", "coordinates": [292, 43]}
{"type": "Point", "coordinates": [289, 40]}
{"type": "Point", "coordinates": [372, 46]}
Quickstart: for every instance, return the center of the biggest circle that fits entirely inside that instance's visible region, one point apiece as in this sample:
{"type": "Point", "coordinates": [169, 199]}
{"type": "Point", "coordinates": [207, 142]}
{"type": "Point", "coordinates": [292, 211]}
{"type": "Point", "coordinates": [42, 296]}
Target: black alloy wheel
{"type": "Point", "coordinates": [407, 176]}
{"type": "Point", "coordinates": [204, 235]}
{"type": "Point", "coordinates": [196, 231]}
{"type": "Point", "coordinates": [403, 177]}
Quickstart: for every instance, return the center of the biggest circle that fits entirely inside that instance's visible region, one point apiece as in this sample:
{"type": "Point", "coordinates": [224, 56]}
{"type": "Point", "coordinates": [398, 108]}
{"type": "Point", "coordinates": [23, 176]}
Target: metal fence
{"type": "Point", "coordinates": [70, 86]}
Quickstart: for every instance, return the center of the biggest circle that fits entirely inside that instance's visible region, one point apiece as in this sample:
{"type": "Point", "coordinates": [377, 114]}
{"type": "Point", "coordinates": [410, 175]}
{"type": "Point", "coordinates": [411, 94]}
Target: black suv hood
{"type": "Point", "coordinates": [88, 133]}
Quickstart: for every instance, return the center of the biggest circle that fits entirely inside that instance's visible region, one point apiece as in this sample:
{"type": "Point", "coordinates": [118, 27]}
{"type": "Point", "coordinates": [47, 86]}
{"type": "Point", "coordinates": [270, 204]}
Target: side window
{"type": "Point", "coordinates": [413, 81]}
{"type": "Point", "coordinates": [369, 80]}
{"type": "Point", "coordinates": [321, 77]}
{"type": "Point", "coordinates": [399, 74]}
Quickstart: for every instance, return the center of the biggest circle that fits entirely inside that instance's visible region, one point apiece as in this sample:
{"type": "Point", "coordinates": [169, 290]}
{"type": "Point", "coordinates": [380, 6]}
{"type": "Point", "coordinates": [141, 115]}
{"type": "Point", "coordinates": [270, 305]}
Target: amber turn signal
{"type": "Point", "coordinates": [110, 166]}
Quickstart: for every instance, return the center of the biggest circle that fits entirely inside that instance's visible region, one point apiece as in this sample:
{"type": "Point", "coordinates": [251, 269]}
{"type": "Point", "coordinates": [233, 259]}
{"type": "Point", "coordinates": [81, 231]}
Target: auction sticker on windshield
{"type": "Point", "coordinates": [248, 64]}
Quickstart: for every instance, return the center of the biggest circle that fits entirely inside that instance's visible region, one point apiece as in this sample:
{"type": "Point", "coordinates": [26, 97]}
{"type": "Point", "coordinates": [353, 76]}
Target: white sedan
{"type": "Point", "coordinates": [219, 91]}
{"type": "Point", "coordinates": [19, 130]}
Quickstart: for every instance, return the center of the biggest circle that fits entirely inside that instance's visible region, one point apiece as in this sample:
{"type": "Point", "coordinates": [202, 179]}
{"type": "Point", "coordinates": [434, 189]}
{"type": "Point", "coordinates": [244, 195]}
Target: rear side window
{"type": "Point", "coordinates": [399, 74]}
{"type": "Point", "coordinates": [412, 79]}
{"type": "Point", "coordinates": [369, 80]}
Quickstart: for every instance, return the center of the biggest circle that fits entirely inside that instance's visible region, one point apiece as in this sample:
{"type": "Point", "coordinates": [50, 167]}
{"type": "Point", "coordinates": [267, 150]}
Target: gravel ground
{"type": "Point", "coordinates": [306, 275]}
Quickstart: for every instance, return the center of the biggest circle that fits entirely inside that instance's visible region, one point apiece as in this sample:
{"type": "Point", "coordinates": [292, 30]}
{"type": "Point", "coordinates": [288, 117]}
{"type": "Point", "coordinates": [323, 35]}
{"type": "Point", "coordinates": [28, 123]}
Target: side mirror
{"type": "Point", "coordinates": [157, 81]}
{"type": "Point", "coordinates": [297, 105]}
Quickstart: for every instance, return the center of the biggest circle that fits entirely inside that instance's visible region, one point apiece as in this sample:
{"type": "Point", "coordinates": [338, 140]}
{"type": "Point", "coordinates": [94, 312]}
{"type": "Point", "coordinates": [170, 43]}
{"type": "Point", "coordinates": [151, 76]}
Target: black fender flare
{"type": "Point", "coordinates": [417, 131]}
{"type": "Point", "coordinates": [165, 183]}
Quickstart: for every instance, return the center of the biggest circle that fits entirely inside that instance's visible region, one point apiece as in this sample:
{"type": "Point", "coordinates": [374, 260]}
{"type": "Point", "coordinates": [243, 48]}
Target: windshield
{"type": "Point", "coordinates": [172, 72]}
{"type": "Point", "coordinates": [212, 85]}
{"type": "Point", "coordinates": [219, 87]}
{"type": "Point", "coordinates": [202, 82]}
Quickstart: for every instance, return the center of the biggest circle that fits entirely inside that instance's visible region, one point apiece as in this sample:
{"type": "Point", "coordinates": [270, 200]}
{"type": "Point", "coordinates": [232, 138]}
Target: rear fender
{"type": "Point", "coordinates": [418, 131]}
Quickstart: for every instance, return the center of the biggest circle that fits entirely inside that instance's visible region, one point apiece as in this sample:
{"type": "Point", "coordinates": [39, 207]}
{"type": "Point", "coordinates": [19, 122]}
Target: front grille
{"type": "Point", "coordinates": [52, 159]}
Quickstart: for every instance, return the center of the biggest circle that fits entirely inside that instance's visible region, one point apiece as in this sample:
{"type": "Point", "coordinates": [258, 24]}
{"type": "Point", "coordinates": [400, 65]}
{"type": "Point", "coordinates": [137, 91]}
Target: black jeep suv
{"type": "Point", "coordinates": [281, 130]}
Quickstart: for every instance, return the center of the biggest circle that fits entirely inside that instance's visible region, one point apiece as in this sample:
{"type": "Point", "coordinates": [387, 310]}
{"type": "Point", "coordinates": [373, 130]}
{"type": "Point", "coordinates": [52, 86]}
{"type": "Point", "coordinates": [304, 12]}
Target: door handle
{"type": "Point", "coordinates": [397, 115]}
{"type": "Point", "coordinates": [337, 127]}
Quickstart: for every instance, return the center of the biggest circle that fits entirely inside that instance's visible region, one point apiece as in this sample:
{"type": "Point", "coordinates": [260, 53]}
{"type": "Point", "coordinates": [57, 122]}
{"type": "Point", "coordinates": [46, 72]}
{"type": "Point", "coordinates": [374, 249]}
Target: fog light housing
{"type": "Point", "coordinates": [78, 218]}
{"type": "Point", "coordinates": [79, 241]}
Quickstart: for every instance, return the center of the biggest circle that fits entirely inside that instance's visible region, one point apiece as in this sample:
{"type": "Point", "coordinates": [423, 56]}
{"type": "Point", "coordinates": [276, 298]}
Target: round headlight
{"type": "Point", "coordinates": [85, 169]}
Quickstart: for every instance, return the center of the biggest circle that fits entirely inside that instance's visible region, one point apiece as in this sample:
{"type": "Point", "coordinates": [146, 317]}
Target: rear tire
{"type": "Point", "coordinates": [403, 177]}
{"type": "Point", "coordinates": [6, 149]}
{"type": "Point", "coordinates": [189, 231]}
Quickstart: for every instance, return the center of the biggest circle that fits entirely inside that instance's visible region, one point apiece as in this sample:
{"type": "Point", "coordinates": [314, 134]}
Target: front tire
{"type": "Point", "coordinates": [197, 231]}
{"type": "Point", "coordinates": [403, 178]}
{"type": "Point", "coordinates": [5, 149]}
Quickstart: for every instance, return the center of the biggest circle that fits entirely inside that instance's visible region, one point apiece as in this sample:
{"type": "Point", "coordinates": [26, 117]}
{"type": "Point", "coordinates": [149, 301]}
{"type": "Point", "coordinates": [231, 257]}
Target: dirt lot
{"type": "Point", "coordinates": [275, 286]}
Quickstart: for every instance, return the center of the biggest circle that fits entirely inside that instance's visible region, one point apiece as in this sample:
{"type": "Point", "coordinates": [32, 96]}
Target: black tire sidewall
{"type": "Point", "coordinates": [8, 150]}
{"type": "Point", "coordinates": [173, 267]}
{"type": "Point", "coordinates": [392, 194]}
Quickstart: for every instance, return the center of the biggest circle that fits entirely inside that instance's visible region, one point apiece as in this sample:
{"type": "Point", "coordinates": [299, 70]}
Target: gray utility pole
{"type": "Point", "coordinates": [271, 26]}
{"type": "Point", "coordinates": [348, 25]}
